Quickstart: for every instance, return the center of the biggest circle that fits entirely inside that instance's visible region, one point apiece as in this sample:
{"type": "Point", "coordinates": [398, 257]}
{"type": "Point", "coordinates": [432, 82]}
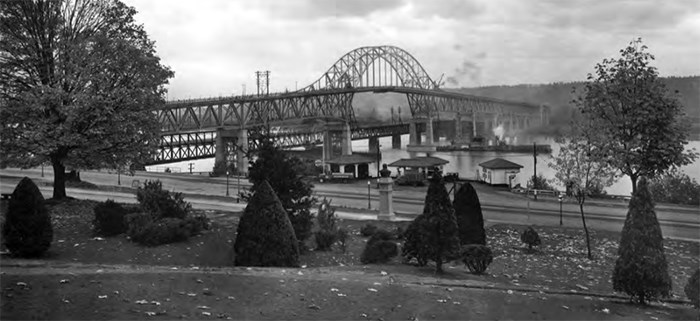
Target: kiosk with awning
{"type": "Point", "coordinates": [350, 166]}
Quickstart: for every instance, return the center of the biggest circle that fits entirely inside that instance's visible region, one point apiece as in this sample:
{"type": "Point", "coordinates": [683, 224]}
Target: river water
{"type": "Point", "coordinates": [464, 163]}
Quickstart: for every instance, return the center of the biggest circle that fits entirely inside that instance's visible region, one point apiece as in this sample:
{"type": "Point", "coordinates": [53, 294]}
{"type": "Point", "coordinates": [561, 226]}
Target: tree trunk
{"type": "Point", "coordinates": [634, 183]}
{"type": "Point", "coordinates": [59, 179]}
{"type": "Point", "coordinates": [438, 264]}
{"type": "Point", "coordinates": [585, 229]}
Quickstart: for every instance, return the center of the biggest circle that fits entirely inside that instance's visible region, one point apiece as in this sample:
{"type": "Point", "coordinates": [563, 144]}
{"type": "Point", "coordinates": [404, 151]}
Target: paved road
{"type": "Point", "coordinates": [680, 222]}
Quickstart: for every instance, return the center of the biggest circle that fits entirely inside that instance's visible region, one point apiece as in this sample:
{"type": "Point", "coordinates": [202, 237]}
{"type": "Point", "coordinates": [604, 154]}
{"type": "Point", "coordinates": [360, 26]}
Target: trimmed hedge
{"type": "Point", "coordinates": [27, 231]}
{"type": "Point", "coordinates": [265, 235]}
{"type": "Point", "coordinates": [470, 220]}
{"type": "Point", "coordinates": [641, 269]}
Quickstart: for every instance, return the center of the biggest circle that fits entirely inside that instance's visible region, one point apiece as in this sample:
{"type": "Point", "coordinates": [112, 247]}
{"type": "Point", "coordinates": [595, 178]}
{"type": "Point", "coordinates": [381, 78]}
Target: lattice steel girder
{"type": "Point", "coordinates": [423, 105]}
{"type": "Point", "coordinates": [390, 66]}
{"type": "Point", "coordinates": [246, 111]}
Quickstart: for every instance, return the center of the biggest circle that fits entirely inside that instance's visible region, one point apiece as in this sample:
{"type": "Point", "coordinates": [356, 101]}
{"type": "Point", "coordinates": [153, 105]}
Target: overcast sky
{"type": "Point", "coordinates": [215, 46]}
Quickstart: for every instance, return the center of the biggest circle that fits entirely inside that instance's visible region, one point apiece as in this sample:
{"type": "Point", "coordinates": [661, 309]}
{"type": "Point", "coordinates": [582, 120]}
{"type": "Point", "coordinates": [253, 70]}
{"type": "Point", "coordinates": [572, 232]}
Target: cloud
{"type": "Point", "coordinates": [319, 9]}
{"type": "Point", "coordinates": [448, 9]}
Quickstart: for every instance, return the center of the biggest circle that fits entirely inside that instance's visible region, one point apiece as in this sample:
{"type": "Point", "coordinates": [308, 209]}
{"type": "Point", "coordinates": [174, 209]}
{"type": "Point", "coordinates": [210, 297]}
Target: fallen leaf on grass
{"type": "Point", "coordinates": [342, 295]}
{"type": "Point", "coordinates": [64, 281]}
{"type": "Point", "coordinates": [141, 302]}
{"type": "Point", "coordinates": [565, 307]}
{"type": "Point", "coordinates": [150, 314]}
{"type": "Point", "coordinates": [313, 307]}
{"type": "Point", "coordinates": [377, 283]}
{"type": "Point", "coordinates": [299, 273]}
{"type": "Point", "coordinates": [21, 284]}
{"type": "Point", "coordinates": [442, 300]}
{"type": "Point", "coordinates": [383, 273]}
{"type": "Point", "coordinates": [231, 298]}
{"type": "Point", "coordinates": [101, 296]}
{"type": "Point", "coordinates": [203, 307]}
{"type": "Point", "coordinates": [456, 303]}
{"type": "Point", "coordinates": [510, 291]}
{"type": "Point", "coordinates": [334, 290]}
{"type": "Point", "coordinates": [191, 294]}
{"type": "Point", "coordinates": [372, 289]}
{"type": "Point", "coordinates": [206, 313]}
{"type": "Point", "coordinates": [605, 310]}
{"type": "Point", "coordinates": [97, 238]}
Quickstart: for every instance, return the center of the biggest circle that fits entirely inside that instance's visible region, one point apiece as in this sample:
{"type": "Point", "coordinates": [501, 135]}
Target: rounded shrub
{"type": "Point", "coordinates": [641, 269]}
{"type": "Point", "coordinates": [470, 220]}
{"type": "Point", "coordinates": [265, 235]}
{"type": "Point", "coordinates": [476, 257]}
{"type": "Point", "coordinates": [325, 239]}
{"type": "Point", "coordinates": [692, 289]}
{"type": "Point", "coordinates": [368, 229]}
{"type": "Point", "coordinates": [161, 203]}
{"type": "Point", "coordinates": [530, 238]}
{"type": "Point", "coordinates": [27, 231]}
{"type": "Point", "coordinates": [380, 248]}
{"type": "Point", "coordinates": [196, 223]}
{"type": "Point", "coordinates": [109, 218]}
{"type": "Point", "coordinates": [136, 224]}
{"type": "Point", "coordinates": [165, 231]}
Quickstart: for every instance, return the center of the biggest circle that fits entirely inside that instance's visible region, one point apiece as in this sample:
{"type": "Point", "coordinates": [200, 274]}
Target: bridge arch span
{"type": "Point", "coordinates": [374, 66]}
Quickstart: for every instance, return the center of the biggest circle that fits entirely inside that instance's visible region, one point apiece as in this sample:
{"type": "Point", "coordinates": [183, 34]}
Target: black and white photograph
{"type": "Point", "coordinates": [349, 160]}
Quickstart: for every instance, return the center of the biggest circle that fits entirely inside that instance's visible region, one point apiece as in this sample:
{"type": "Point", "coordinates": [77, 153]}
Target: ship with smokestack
{"type": "Point", "coordinates": [496, 143]}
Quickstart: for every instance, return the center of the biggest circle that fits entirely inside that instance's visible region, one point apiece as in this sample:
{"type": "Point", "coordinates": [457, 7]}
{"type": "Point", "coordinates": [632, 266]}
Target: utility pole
{"type": "Point", "coordinates": [191, 165]}
{"type": "Point", "coordinates": [534, 177]}
{"type": "Point", "coordinates": [263, 82]}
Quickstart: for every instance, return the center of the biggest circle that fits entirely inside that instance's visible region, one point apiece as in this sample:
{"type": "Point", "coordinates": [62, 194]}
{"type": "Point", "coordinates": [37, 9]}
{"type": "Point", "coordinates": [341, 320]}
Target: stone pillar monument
{"type": "Point", "coordinates": [386, 199]}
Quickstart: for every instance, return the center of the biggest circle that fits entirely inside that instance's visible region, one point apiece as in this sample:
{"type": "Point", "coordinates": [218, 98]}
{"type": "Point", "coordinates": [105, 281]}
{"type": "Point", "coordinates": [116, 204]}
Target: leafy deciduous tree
{"type": "Point", "coordinates": [78, 81]}
{"type": "Point", "coordinates": [579, 172]}
{"type": "Point", "coordinates": [640, 128]}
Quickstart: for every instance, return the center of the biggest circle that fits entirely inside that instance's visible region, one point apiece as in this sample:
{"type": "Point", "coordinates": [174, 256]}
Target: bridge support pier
{"type": "Point", "coordinates": [242, 160]}
{"type": "Point", "coordinates": [373, 144]}
{"type": "Point", "coordinates": [219, 149]}
{"type": "Point", "coordinates": [396, 141]}
{"type": "Point", "coordinates": [413, 136]}
{"type": "Point", "coordinates": [429, 131]}
{"type": "Point", "coordinates": [327, 146]}
{"type": "Point", "coordinates": [347, 141]}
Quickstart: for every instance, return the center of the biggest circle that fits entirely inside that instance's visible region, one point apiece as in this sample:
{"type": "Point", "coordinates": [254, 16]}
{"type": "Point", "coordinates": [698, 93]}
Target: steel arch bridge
{"type": "Point", "coordinates": [186, 125]}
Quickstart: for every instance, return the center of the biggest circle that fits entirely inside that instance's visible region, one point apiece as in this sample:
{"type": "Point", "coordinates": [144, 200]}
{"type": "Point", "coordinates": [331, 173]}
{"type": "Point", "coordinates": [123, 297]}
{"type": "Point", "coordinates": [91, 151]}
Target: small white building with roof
{"type": "Point", "coordinates": [498, 171]}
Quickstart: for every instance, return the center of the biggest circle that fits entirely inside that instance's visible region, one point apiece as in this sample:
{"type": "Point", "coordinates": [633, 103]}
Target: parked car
{"type": "Point", "coordinates": [412, 178]}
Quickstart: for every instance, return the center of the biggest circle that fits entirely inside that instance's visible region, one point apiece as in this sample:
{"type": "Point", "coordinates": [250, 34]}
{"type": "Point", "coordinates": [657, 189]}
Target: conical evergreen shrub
{"type": "Point", "coordinates": [641, 269]}
{"type": "Point", "coordinates": [27, 231]}
{"type": "Point", "coordinates": [470, 220]}
{"type": "Point", "coordinates": [265, 236]}
{"type": "Point", "coordinates": [433, 235]}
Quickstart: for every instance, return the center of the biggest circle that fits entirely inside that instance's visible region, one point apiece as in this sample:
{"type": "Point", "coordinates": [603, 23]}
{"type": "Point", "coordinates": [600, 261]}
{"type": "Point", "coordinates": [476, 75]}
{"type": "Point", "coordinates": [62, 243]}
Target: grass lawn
{"type": "Point", "coordinates": [558, 266]}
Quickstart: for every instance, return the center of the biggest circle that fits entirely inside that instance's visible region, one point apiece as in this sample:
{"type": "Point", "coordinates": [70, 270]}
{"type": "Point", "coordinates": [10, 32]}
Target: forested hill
{"type": "Point", "coordinates": [559, 96]}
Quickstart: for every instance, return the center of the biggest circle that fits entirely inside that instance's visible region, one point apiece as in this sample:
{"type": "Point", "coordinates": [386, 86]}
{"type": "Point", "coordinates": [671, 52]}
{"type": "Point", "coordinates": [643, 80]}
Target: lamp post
{"type": "Point", "coordinates": [238, 195]}
{"type": "Point", "coordinates": [227, 173]}
{"type": "Point", "coordinates": [561, 198]}
{"type": "Point", "coordinates": [369, 204]}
